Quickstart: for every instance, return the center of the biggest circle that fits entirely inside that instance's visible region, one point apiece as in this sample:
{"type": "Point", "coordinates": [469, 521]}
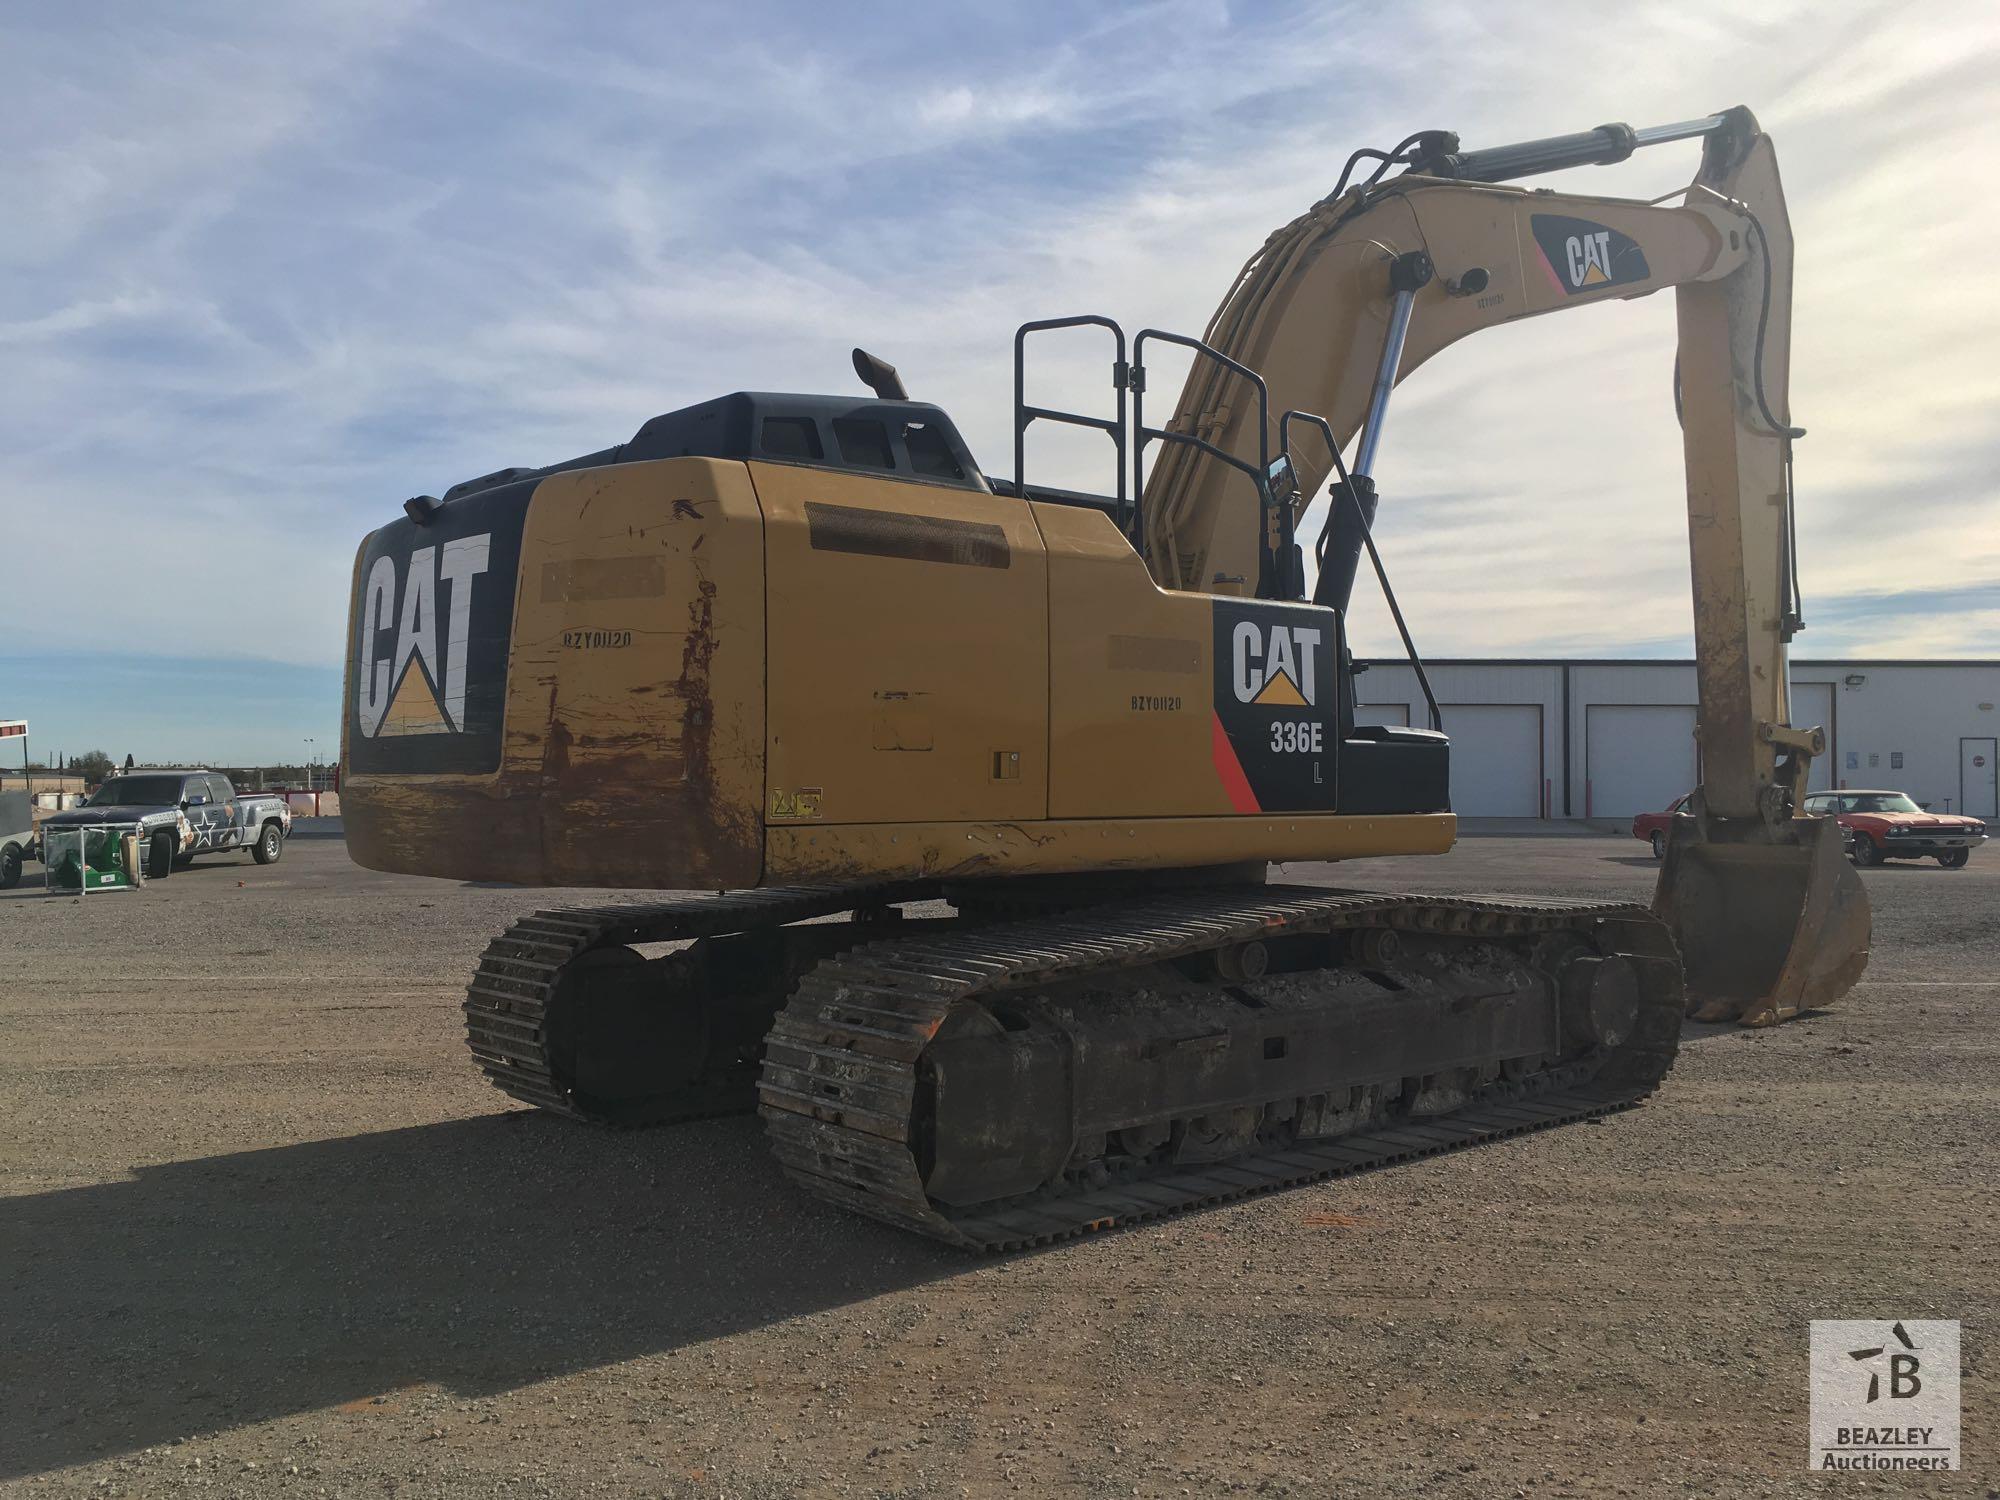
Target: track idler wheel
{"type": "Point", "coordinates": [640, 1041]}
{"type": "Point", "coordinates": [628, 1036]}
{"type": "Point", "coordinates": [1600, 1001]}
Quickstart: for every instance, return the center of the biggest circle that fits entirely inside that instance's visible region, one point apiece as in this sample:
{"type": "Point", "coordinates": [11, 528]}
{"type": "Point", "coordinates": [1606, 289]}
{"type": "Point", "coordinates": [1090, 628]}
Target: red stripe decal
{"type": "Point", "coordinates": [1229, 768]}
{"type": "Point", "coordinates": [1554, 280]}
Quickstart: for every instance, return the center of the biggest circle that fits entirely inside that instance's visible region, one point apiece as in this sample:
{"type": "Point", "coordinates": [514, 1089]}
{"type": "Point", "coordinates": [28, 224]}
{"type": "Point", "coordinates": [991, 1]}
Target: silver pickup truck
{"type": "Point", "coordinates": [179, 814]}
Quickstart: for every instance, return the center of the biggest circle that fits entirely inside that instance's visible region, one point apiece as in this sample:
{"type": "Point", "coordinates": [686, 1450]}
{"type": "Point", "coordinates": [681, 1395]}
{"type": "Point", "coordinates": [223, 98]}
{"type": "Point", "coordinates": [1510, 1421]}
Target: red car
{"type": "Point", "coordinates": [1652, 827]}
{"type": "Point", "coordinates": [1888, 825]}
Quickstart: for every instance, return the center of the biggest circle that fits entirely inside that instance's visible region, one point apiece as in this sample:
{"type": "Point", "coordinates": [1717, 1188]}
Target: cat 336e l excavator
{"type": "Point", "coordinates": [978, 781]}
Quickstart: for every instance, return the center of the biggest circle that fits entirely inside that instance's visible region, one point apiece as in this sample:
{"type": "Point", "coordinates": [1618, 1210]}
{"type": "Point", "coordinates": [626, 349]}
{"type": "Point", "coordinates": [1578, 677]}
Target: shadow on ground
{"type": "Point", "coordinates": [481, 1254]}
{"type": "Point", "coordinates": [1702, 1031]}
{"type": "Point", "coordinates": [34, 882]}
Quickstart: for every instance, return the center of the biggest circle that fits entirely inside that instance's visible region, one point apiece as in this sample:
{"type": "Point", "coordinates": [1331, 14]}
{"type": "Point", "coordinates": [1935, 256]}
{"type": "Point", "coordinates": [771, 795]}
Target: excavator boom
{"type": "Point", "coordinates": [1350, 298]}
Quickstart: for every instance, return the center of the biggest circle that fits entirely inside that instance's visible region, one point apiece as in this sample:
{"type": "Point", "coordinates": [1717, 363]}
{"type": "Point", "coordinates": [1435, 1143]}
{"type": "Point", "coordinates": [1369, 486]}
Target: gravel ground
{"type": "Point", "coordinates": [264, 1231]}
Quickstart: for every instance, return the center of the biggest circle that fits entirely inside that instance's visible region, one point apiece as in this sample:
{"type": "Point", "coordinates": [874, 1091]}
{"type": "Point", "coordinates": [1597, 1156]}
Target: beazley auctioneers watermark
{"type": "Point", "coordinates": [1884, 1395]}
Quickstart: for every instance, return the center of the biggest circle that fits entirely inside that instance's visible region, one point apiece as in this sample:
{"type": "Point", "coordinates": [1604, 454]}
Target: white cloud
{"type": "Point", "coordinates": [283, 274]}
{"type": "Point", "coordinates": [959, 110]}
{"type": "Point", "coordinates": [81, 317]}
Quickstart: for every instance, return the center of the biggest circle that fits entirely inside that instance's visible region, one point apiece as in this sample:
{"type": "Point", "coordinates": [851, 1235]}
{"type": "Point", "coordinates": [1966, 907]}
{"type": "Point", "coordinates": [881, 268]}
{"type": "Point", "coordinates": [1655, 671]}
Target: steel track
{"type": "Point", "coordinates": [839, 1086]}
{"type": "Point", "coordinates": [508, 1001]}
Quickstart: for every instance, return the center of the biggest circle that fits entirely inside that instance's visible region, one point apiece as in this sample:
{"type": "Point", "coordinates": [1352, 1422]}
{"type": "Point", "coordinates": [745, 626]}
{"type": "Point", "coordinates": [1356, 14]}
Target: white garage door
{"type": "Point", "coordinates": [1812, 707]}
{"type": "Point", "coordinates": [1640, 757]}
{"type": "Point", "coordinates": [1496, 759]}
{"type": "Point", "coordinates": [1382, 713]}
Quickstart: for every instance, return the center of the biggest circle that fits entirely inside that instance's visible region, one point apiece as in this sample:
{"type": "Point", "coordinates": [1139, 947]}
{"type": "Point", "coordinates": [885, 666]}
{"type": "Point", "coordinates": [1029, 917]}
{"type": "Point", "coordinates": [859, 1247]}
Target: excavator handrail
{"type": "Point", "coordinates": [1132, 437]}
{"type": "Point", "coordinates": [1260, 475]}
{"type": "Point", "coordinates": [1114, 427]}
{"type": "Point", "coordinates": [1334, 492]}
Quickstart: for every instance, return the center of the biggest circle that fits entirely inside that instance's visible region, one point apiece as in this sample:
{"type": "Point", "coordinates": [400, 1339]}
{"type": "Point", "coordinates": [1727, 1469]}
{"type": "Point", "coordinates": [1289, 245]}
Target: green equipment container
{"type": "Point", "coordinates": [91, 859]}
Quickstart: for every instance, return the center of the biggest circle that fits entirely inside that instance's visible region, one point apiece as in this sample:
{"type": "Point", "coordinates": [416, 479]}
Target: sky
{"type": "Point", "coordinates": [268, 270]}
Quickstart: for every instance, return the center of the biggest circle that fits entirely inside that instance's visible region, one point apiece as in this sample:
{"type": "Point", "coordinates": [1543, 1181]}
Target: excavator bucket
{"type": "Point", "coordinates": [1766, 928]}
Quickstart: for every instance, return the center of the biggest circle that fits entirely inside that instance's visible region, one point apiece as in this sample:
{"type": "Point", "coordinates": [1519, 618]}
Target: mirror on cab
{"type": "Point", "coordinates": [1283, 479]}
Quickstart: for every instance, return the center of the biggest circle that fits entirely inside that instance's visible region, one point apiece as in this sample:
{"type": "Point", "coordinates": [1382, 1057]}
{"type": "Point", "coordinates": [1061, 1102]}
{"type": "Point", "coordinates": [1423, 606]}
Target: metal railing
{"type": "Point", "coordinates": [1114, 427]}
{"type": "Point", "coordinates": [1260, 475]}
{"type": "Point", "coordinates": [1335, 492]}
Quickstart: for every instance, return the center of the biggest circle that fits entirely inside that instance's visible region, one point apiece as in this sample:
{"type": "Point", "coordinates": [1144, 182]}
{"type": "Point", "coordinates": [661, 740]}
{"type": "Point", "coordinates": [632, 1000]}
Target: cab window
{"type": "Point", "coordinates": [792, 437]}
{"type": "Point", "coordinates": [864, 442]}
{"type": "Point", "coordinates": [929, 453]}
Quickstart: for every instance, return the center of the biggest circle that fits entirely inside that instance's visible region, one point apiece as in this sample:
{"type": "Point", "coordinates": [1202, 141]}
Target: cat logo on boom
{"type": "Point", "coordinates": [1580, 256]}
{"type": "Point", "coordinates": [416, 689]}
{"type": "Point", "coordinates": [1587, 256]}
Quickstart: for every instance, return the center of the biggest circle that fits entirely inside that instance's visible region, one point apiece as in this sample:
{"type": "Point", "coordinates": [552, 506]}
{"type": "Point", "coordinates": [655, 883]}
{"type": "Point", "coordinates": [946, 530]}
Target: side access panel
{"type": "Point", "coordinates": [1165, 704]}
{"type": "Point", "coordinates": [1180, 730]}
{"type": "Point", "coordinates": [908, 652]}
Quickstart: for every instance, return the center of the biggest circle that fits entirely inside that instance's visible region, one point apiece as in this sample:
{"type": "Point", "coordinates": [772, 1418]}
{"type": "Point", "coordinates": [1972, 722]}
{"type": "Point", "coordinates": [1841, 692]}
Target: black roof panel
{"type": "Point", "coordinates": [733, 426]}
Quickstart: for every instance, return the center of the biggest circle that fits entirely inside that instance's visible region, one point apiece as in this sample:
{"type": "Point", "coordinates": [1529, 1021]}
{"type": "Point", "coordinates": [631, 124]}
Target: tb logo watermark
{"type": "Point", "coordinates": [1884, 1395]}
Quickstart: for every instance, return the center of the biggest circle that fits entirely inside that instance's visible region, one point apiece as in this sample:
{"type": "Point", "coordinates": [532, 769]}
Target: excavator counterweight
{"type": "Point", "coordinates": [980, 780]}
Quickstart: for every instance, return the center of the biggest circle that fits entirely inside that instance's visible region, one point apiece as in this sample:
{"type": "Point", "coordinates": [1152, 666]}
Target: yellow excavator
{"type": "Point", "coordinates": [974, 784]}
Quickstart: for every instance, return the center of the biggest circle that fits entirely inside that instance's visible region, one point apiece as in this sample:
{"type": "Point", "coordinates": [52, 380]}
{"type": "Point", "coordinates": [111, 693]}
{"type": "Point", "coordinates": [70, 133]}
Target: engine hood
{"type": "Point", "coordinates": [86, 817]}
{"type": "Point", "coordinates": [1914, 820]}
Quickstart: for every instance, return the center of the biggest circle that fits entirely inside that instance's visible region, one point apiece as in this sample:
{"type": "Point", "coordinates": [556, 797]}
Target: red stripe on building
{"type": "Point", "coordinates": [1229, 768]}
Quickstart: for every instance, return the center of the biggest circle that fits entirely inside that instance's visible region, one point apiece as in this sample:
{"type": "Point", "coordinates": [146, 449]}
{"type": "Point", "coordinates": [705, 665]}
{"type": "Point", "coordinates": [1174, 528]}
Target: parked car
{"type": "Point", "coordinates": [1652, 827]}
{"type": "Point", "coordinates": [180, 814]}
{"type": "Point", "coordinates": [1888, 825]}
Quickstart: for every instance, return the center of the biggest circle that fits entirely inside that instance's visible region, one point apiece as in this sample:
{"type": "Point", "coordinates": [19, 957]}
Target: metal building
{"type": "Point", "coordinates": [1605, 739]}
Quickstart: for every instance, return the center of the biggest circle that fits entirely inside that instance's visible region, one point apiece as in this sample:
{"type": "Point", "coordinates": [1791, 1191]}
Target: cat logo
{"type": "Point", "coordinates": [1272, 747]}
{"type": "Point", "coordinates": [1580, 256]}
{"type": "Point", "coordinates": [416, 689]}
{"type": "Point", "coordinates": [1274, 664]}
{"type": "Point", "coordinates": [1588, 256]}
